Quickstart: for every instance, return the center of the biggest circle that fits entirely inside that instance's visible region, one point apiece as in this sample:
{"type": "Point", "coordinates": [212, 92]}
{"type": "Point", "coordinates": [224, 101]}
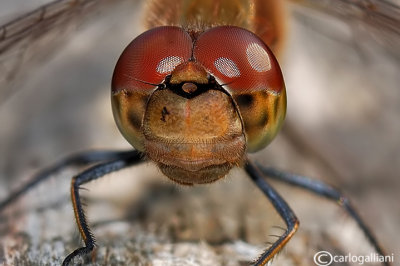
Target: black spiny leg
{"type": "Point", "coordinates": [282, 208]}
{"type": "Point", "coordinates": [328, 192]}
{"type": "Point", "coordinates": [85, 177]}
{"type": "Point", "coordinates": [82, 158]}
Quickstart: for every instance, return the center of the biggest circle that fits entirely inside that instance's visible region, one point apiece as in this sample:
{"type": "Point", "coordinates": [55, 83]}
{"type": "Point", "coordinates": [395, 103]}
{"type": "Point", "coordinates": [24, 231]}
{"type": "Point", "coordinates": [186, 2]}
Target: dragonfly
{"type": "Point", "coordinates": [116, 154]}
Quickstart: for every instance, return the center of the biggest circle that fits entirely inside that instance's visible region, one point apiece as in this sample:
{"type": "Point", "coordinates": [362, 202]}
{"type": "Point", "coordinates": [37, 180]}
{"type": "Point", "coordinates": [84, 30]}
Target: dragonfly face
{"type": "Point", "coordinates": [195, 101]}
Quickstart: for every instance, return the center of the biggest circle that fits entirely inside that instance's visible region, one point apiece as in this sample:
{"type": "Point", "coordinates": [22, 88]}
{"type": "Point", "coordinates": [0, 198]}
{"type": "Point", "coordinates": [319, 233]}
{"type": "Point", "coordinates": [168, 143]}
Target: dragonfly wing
{"type": "Point", "coordinates": [32, 37]}
{"type": "Point", "coordinates": [374, 19]}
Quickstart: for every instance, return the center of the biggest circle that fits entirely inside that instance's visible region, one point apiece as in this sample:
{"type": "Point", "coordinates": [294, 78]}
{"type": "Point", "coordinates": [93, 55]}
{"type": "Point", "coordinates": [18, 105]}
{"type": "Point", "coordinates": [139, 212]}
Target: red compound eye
{"type": "Point", "coordinates": [150, 57]}
{"type": "Point", "coordinates": [238, 57]}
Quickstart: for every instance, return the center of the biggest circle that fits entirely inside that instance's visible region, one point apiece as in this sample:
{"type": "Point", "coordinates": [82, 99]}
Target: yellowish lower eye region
{"type": "Point", "coordinates": [262, 113]}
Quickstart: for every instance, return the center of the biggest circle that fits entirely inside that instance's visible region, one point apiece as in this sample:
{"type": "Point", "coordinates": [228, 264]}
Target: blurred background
{"type": "Point", "coordinates": [341, 65]}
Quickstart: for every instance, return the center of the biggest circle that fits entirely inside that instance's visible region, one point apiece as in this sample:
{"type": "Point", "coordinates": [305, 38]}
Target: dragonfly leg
{"type": "Point", "coordinates": [81, 158]}
{"type": "Point", "coordinates": [88, 175]}
{"type": "Point", "coordinates": [327, 191]}
{"type": "Point", "coordinates": [282, 208]}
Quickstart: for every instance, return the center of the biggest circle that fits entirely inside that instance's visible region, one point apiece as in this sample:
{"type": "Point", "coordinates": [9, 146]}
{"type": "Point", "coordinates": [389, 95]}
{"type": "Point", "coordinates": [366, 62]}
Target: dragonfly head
{"type": "Point", "coordinates": [196, 106]}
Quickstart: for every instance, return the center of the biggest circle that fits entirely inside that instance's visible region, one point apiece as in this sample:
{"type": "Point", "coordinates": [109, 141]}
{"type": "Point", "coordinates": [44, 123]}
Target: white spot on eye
{"type": "Point", "coordinates": [227, 67]}
{"type": "Point", "coordinates": [258, 58]}
{"type": "Point", "coordinates": [168, 64]}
